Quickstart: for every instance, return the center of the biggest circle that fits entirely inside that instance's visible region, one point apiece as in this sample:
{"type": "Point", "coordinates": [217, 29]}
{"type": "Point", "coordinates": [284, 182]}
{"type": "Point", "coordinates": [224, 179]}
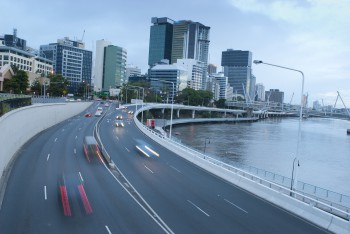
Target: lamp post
{"type": "Point", "coordinates": [172, 103]}
{"type": "Point", "coordinates": [292, 181]}
{"type": "Point", "coordinates": [205, 143]}
{"type": "Point", "coordinates": [294, 184]}
{"type": "Point", "coordinates": [143, 97]}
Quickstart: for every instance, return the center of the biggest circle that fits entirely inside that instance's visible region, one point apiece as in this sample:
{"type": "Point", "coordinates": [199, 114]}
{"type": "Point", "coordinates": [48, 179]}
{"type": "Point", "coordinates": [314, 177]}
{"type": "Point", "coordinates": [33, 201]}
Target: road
{"type": "Point", "coordinates": [185, 197]}
{"type": "Point", "coordinates": [32, 201]}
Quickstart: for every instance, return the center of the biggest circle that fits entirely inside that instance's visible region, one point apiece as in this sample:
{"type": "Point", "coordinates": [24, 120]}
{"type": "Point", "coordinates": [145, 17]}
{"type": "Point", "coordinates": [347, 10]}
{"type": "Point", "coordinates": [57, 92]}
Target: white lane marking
{"type": "Point", "coordinates": [117, 138]}
{"type": "Point", "coordinates": [56, 139]}
{"type": "Point", "coordinates": [236, 206]}
{"type": "Point", "coordinates": [62, 129]}
{"type": "Point", "coordinates": [127, 149]}
{"type": "Point", "coordinates": [75, 151]}
{"type": "Point", "coordinates": [82, 180]}
{"type": "Point", "coordinates": [198, 208]}
{"type": "Point", "coordinates": [76, 137]}
{"type": "Point", "coordinates": [176, 169]}
{"type": "Point", "coordinates": [48, 156]}
{"type": "Point", "coordinates": [148, 169]}
{"type": "Point", "coordinates": [45, 192]}
{"type": "Point", "coordinates": [109, 231]}
{"type": "Point", "coordinates": [126, 184]}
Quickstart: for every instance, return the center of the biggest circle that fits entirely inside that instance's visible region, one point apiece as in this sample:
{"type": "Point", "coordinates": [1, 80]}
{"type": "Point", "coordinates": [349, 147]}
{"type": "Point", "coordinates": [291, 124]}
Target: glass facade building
{"type": "Point", "coordinates": [160, 42]}
{"type": "Point", "coordinates": [237, 67]}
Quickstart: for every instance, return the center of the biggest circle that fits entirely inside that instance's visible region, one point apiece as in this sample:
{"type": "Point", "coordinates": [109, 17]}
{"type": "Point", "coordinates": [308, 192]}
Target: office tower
{"type": "Point", "coordinates": [237, 67]}
{"type": "Point", "coordinates": [160, 43]}
{"type": "Point", "coordinates": [170, 74]}
{"type": "Point", "coordinates": [220, 87]}
{"type": "Point", "coordinates": [212, 69]}
{"type": "Point", "coordinates": [99, 60]}
{"type": "Point", "coordinates": [260, 92]}
{"type": "Point", "coordinates": [191, 41]}
{"type": "Point", "coordinates": [132, 70]}
{"type": "Point", "coordinates": [274, 95]}
{"type": "Point", "coordinates": [70, 60]}
{"type": "Point", "coordinates": [194, 70]}
{"type": "Point", "coordinates": [113, 67]}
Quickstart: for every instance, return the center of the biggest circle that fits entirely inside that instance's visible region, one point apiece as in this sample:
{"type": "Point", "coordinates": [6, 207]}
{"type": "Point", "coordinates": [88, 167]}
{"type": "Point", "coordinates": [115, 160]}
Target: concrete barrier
{"type": "Point", "coordinates": [18, 126]}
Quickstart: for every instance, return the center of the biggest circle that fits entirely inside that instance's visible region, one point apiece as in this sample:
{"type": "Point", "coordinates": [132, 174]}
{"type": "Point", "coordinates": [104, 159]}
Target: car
{"type": "Point", "coordinates": [119, 117]}
{"type": "Point", "coordinates": [145, 149]}
{"type": "Point", "coordinates": [98, 113]}
{"type": "Point", "coordinates": [119, 123]}
{"type": "Point", "coordinates": [130, 112]}
{"type": "Point", "coordinates": [88, 115]}
{"type": "Point", "coordinates": [106, 104]}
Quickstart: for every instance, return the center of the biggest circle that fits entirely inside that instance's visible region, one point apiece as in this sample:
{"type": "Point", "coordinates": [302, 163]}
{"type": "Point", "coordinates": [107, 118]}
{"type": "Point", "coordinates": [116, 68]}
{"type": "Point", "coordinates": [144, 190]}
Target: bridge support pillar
{"type": "Point", "coordinates": [193, 114]}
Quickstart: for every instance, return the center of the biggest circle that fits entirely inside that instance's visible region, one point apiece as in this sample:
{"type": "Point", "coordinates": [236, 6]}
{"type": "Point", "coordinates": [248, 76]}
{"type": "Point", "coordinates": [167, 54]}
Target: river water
{"type": "Point", "coordinates": [271, 144]}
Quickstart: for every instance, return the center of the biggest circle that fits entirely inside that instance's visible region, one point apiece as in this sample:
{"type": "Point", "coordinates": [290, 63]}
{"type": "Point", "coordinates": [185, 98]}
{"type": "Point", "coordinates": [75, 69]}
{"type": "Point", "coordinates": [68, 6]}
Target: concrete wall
{"type": "Point", "coordinates": [18, 126]}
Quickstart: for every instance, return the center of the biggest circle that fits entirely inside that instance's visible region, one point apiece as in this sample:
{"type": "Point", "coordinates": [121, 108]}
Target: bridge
{"type": "Point", "coordinates": [128, 192]}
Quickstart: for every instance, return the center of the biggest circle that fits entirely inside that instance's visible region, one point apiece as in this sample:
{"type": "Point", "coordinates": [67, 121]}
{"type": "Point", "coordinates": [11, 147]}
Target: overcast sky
{"type": "Point", "coordinates": [308, 35]}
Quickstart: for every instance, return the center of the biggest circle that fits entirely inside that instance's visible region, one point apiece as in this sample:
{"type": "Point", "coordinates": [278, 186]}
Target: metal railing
{"type": "Point", "coordinates": [321, 203]}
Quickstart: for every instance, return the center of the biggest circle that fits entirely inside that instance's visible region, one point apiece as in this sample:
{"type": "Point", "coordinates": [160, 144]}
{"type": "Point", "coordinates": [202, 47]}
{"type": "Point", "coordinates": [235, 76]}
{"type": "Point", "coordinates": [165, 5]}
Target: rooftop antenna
{"type": "Point", "coordinates": [82, 38]}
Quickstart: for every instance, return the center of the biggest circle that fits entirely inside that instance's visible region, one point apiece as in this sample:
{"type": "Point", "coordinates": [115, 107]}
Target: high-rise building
{"type": "Point", "coordinates": [191, 41]}
{"type": "Point", "coordinates": [70, 60]}
{"type": "Point", "coordinates": [194, 70]}
{"type": "Point", "coordinates": [132, 70]}
{"type": "Point", "coordinates": [260, 92]}
{"type": "Point", "coordinates": [110, 66]}
{"type": "Point", "coordinates": [274, 95]}
{"type": "Point", "coordinates": [237, 67]}
{"type": "Point", "coordinates": [114, 67]}
{"type": "Point", "coordinates": [212, 69]}
{"type": "Point", "coordinates": [99, 60]}
{"type": "Point", "coordinates": [163, 76]}
{"type": "Point", "coordinates": [160, 43]}
{"type": "Point", "coordinates": [220, 87]}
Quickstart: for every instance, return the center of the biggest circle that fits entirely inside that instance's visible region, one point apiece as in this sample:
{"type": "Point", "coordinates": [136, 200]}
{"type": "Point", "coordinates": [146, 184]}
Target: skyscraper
{"type": "Point", "coordinates": [160, 43]}
{"type": "Point", "coordinates": [71, 60]}
{"type": "Point", "coordinates": [99, 60]}
{"type": "Point", "coordinates": [113, 67]}
{"type": "Point", "coordinates": [191, 41]}
{"type": "Point", "coordinates": [237, 67]}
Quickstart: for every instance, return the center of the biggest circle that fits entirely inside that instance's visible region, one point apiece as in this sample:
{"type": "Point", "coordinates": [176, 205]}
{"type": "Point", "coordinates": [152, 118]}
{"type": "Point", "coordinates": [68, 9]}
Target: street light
{"type": "Point", "coordinates": [300, 115]}
{"type": "Point", "coordinates": [172, 103]}
{"type": "Point", "coordinates": [143, 98]}
{"type": "Point", "coordinates": [292, 181]}
{"type": "Point", "coordinates": [205, 143]}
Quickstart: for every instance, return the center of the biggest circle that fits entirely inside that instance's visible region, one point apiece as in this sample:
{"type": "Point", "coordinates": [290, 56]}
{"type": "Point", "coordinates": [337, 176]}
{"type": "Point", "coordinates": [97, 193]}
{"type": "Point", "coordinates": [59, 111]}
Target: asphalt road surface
{"type": "Point", "coordinates": [53, 188]}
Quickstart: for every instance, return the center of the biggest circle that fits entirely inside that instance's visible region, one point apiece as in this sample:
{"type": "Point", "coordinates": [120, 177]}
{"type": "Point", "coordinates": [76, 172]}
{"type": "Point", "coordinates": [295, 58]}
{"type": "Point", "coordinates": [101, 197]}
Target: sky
{"type": "Point", "coordinates": [312, 36]}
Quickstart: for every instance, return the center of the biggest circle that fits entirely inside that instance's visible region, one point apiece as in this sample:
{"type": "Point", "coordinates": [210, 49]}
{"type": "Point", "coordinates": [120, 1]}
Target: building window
{"type": "Point", "coordinates": [6, 57]}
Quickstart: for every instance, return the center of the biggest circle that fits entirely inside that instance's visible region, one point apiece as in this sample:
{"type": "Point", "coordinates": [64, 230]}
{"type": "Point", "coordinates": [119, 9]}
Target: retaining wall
{"type": "Point", "coordinates": [18, 126]}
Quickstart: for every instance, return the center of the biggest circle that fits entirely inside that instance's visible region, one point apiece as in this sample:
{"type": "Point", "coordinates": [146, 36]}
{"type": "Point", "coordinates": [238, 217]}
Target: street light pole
{"type": "Point", "coordinates": [205, 143]}
{"type": "Point", "coordinates": [300, 114]}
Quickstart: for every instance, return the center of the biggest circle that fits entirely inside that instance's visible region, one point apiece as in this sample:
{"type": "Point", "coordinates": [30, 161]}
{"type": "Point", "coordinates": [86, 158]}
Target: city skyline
{"type": "Point", "coordinates": [310, 36]}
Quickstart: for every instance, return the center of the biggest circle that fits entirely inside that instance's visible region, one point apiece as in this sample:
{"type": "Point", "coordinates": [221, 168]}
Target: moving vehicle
{"type": "Point", "coordinates": [145, 149]}
{"type": "Point", "coordinates": [87, 115]}
{"type": "Point", "coordinates": [119, 117]}
{"type": "Point", "coordinates": [119, 123]}
{"type": "Point", "coordinates": [91, 148]}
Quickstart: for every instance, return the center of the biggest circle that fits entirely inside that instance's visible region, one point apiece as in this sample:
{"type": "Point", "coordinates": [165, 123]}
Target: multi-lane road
{"type": "Point", "coordinates": [164, 194]}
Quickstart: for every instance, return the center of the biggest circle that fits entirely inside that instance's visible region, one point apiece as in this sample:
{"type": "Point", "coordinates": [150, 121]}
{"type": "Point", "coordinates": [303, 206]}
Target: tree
{"type": "Point", "coordinates": [36, 87]}
{"type": "Point", "coordinates": [220, 103]}
{"type": "Point", "coordinates": [195, 97]}
{"type": "Point", "coordinates": [18, 83]}
{"type": "Point", "coordinates": [58, 85]}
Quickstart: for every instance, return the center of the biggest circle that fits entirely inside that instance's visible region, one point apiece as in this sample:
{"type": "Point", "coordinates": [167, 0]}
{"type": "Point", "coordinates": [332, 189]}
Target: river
{"type": "Point", "coordinates": [271, 144]}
